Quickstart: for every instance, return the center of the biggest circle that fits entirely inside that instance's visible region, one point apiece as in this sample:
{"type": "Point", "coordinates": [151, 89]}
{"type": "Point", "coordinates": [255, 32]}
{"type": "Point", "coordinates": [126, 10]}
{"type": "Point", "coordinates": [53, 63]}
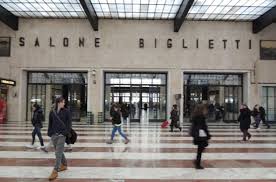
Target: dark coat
{"type": "Point", "coordinates": [174, 116]}
{"type": "Point", "coordinates": [125, 111]}
{"type": "Point", "coordinates": [37, 118]}
{"type": "Point", "coordinates": [262, 112]}
{"type": "Point", "coordinates": [116, 118]}
{"type": "Point", "coordinates": [112, 111]}
{"type": "Point", "coordinates": [198, 123]}
{"type": "Point", "coordinates": [55, 126]}
{"type": "Point", "coordinates": [245, 118]}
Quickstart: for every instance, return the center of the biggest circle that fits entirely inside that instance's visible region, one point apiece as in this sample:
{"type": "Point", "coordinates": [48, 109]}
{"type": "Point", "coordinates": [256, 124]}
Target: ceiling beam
{"type": "Point", "coordinates": [265, 20]}
{"type": "Point", "coordinates": [182, 13]}
{"type": "Point", "coordinates": [8, 18]}
{"type": "Point", "coordinates": [90, 13]}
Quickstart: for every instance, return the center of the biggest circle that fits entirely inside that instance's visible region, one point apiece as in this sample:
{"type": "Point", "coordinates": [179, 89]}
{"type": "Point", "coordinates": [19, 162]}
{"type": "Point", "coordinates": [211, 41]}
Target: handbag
{"type": "Point", "coordinates": [72, 137]}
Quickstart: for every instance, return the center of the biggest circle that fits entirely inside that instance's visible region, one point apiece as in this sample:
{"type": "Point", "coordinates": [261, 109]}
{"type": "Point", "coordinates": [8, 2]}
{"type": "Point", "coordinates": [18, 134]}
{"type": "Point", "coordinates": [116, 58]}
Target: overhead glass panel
{"type": "Point", "coordinates": [226, 10]}
{"type": "Point", "coordinates": [238, 10]}
{"type": "Point", "coordinates": [44, 8]}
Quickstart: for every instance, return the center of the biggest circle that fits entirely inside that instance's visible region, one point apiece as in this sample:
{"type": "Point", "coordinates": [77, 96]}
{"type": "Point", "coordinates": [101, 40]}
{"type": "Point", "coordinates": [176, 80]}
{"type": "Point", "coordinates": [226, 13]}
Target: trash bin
{"type": "Point", "coordinates": [90, 118]}
{"type": "Point", "coordinates": [100, 117]}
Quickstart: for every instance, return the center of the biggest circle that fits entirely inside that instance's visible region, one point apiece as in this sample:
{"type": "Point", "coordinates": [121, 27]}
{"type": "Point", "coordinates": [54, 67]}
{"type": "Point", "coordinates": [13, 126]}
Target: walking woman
{"type": "Point", "coordinates": [174, 118]}
{"type": "Point", "coordinates": [199, 132]}
{"type": "Point", "coordinates": [59, 127]}
{"type": "Point", "coordinates": [37, 124]}
{"type": "Point", "coordinates": [245, 121]}
{"type": "Point", "coordinates": [117, 123]}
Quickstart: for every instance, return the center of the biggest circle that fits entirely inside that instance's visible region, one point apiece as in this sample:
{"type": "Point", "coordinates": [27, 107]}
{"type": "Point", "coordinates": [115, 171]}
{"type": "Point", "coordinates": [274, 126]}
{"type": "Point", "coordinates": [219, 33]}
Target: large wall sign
{"type": "Point", "coordinates": [141, 43]}
{"type": "Point", "coordinates": [185, 44]}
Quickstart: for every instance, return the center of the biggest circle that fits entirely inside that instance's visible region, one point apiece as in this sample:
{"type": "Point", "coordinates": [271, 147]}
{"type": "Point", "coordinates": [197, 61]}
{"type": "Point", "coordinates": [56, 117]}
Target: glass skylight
{"type": "Point", "coordinates": [227, 10]}
{"type": "Point", "coordinates": [241, 10]}
{"type": "Point", "coordinates": [44, 8]}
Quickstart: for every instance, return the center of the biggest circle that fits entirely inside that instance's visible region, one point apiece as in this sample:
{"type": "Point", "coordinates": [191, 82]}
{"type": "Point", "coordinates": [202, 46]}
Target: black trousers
{"type": "Point", "coordinates": [37, 131]}
{"type": "Point", "coordinates": [174, 124]}
{"type": "Point", "coordinates": [200, 150]}
{"type": "Point", "coordinates": [245, 133]}
{"type": "Point", "coordinates": [265, 122]}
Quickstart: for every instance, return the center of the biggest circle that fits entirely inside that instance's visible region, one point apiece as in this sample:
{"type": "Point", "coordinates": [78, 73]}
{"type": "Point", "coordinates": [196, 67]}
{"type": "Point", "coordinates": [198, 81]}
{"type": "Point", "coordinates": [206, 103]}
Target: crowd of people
{"type": "Point", "coordinates": [60, 124]}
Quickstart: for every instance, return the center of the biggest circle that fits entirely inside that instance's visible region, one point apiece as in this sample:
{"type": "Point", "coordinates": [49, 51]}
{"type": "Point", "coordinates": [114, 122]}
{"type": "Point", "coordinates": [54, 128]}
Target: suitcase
{"type": "Point", "coordinates": [165, 124]}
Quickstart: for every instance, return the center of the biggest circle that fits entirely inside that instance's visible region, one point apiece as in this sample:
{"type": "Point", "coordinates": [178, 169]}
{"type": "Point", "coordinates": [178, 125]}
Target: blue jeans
{"type": "Point", "coordinates": [115, 128]}
{"type": "Point", "coordinates": [37, 131]}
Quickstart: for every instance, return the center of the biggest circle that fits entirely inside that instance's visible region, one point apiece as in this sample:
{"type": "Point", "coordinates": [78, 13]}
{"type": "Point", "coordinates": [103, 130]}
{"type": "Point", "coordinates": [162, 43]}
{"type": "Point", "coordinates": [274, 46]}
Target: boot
{"type": "Point", "coordinates": [197, 165]}
{"type": "Point", "coordinates": [127, 140]}
{"type": "Point", "coordinates": [62, 168]}
{"type": "Point", "coordinates": [249, 136]}
{"type": "Point", "coordinates": [53, 175]}
{"type": "Point", "coordinates": [109, 142]}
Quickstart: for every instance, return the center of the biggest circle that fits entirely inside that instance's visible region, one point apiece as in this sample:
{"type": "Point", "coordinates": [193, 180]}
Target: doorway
{"type": "Point", "coordinates": [144, 93]}
{"type": "Point", "coordinates": [222, 92]}
{"type": "Point", "coordinates": [45, 87]}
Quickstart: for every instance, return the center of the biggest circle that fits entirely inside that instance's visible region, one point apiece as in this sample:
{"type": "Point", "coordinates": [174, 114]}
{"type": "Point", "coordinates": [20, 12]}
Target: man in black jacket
{"type": "Point", "coordinates": [37, 124]}
{"type": "Point", "coordinates": [59, 127]}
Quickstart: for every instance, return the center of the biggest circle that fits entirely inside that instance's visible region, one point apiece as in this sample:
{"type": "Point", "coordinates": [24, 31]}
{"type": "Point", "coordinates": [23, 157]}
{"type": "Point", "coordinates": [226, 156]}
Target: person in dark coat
{"type": "Point", "coordinates": [174, 118]}
{"type": "Point", "coordinates": [117, 123]}
{"type": "Point", "coordinates": [257, 116]}
{"type": "Point", "coordinates": [245, 121]}
{"type": "Point", "coordinates": [263, 114]}
{"type": "Point", "coordinates": [125, 112]}
{"type": "Point", "coordinates": [199, 131]}
{"type": "Point", "coordinates": [112, 110]}
{"type": "Point", "coordinates": [145, 106]}
{"type": "Point", "coordinates": [37, 124]}
{"type": "Point", "coordinates": [60, 124]}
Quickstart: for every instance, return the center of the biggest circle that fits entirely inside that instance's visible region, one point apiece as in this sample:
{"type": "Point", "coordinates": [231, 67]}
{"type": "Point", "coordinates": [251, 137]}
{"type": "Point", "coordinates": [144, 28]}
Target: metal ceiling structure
{"type": "Point", "coordinates": [177, 10]}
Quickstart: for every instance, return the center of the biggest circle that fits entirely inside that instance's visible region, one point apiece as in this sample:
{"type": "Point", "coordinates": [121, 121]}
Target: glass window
{"type": "Point", "coordinates": [269, 102]}
{"type": "Point", "coordinates": [268, 49]}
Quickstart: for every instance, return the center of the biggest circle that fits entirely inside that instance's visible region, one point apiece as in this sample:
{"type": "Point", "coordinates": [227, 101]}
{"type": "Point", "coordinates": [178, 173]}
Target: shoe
{"type": "Point", "coordinates": [127, 141]}
{"type": "Point", "coordinates": [171, 130]}
{"type": "Point", "coordinates": [109, 142]}
{"type": "Point", "coordinates": [268, 127]}
{"type": "Point", "coordinates": [44, 149]}
{"type": "Point", "coordinates": [199, 167]}
{"type": "Point", "coordinates": [244, 139]}
{"type": "Point", "coordinates": [62, 168]}
{"type": "Point", "coordinates": [249, 136]}
{"type": "Point", "coordinates": [68, 150]}
{"type": "Point", "coordinates": [31, 146]}
{"type": "Point", "coordinates": [180, 129]}
{"type": "Point", "coordinates": [53, 175]}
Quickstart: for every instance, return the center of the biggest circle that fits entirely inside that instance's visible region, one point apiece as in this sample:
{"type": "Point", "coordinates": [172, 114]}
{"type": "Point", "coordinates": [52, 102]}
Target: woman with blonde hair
{"type": "Point", "coordinates": [199, 131]}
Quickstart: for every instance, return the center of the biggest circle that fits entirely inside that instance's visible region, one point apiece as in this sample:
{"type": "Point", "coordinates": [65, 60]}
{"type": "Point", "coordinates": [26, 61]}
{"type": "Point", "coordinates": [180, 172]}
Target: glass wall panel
{"type": "Point", "coordinates": [141, 91]}
{"type": "Point", "coordinates": [269, 102]}
{"type": "Point", "coordinates": [222, 93]}
{"type": "Point", "coordinates": [44, 87]}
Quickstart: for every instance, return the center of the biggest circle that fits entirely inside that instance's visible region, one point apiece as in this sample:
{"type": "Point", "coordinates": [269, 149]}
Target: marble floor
{"type": "Point", "coordinates": [154, 154]}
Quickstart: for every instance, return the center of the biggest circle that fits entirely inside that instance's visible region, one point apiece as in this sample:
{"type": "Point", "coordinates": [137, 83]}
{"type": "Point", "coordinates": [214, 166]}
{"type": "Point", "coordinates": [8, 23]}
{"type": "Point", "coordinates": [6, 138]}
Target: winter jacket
{"type": "Point", "coordinates": [174, 115]}
{"type": "Point", "coordinates": [262, 112]}
{"type": "Point", "coordinates": [55, 125]}
{"type": "Point", "coordinates": [125, 111]}
{"type": "Point", "coordinates": [199, 123]}
{"type": "Point", "coordinates": [245, 118]}
{"type": "Point", "coordinates": [37, 118]}
{"type": "Point", "coordinates": [116, 118]}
